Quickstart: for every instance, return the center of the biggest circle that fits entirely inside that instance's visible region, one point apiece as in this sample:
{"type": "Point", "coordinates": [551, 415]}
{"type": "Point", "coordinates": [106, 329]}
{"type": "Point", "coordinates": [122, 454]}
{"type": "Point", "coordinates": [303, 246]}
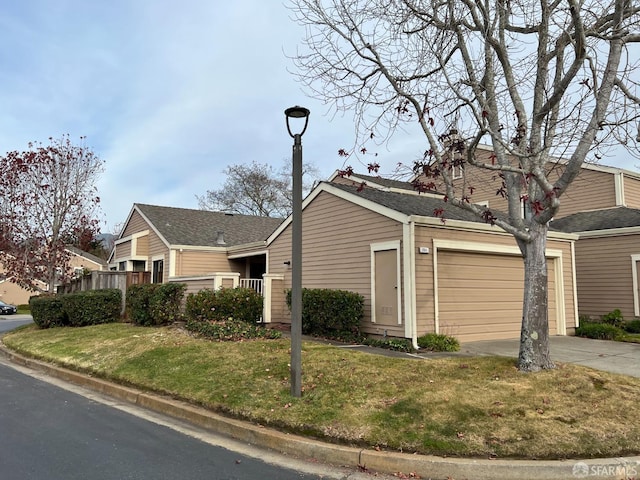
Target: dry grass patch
{"type": "Point", "coordinates": [468, 407]}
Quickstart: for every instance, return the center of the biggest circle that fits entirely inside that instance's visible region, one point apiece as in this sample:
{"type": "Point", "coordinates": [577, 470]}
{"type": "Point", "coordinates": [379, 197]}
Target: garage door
{"type": "Point", "coordinates": [480, 295]}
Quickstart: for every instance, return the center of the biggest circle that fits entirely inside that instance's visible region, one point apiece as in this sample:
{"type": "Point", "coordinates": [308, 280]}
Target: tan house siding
{"type": "Point", "coordinates": [136, 224]}
{"type": "Point", "coordinates": [631, 191]}
{"type": "Point", "coordinates": [591, 190]}
{"type": "Point", "coordinates": [337, 238]}
{"type": "Point", "coordinates": [604, 274]}
{"type": "Point", "coordinates": [14, 294]}
{"type": "Point", "coordinates": [198, 262]}
{"type": "Point", "coordinates": [123, 250]}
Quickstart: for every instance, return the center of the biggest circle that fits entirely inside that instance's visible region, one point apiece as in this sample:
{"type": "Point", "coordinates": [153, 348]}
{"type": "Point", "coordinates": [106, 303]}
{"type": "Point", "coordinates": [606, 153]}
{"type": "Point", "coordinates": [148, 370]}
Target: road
{"type": "Point", "coordinates": [55, 431]}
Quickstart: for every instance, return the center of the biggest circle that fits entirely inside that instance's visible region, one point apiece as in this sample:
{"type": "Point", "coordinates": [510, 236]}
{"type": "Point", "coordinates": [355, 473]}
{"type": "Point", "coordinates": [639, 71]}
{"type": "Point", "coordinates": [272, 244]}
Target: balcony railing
{"type": "Point", "coordinates": [252, 283]}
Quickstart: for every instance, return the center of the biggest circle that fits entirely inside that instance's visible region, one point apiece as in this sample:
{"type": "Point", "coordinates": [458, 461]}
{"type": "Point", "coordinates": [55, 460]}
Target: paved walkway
{"type": "Point", "coordinates": [615, 357]}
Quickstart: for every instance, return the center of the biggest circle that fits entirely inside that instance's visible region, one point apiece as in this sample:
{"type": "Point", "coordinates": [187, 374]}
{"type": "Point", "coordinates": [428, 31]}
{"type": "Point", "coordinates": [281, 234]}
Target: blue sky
{"type": "Point", "coordinates": [167, 93]}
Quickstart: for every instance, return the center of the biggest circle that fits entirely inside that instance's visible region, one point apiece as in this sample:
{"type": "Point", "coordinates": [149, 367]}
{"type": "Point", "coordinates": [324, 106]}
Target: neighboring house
{"type": "Point", "coordinates": [600, 207]}
{"type": "Point", "coordinates": [201, 248]}
{"type": "Point", "coordinates": [417, 274]}
{"type": "Point", "coordinates": [595, 187]}
{"type": "Point", "coordinates": [607, 259]}
{"type": "Point", "coordinates": [80, 262]}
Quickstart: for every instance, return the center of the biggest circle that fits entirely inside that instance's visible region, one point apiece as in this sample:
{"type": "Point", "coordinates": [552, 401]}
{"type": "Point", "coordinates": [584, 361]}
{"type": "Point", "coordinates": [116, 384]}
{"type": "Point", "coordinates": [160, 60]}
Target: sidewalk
{"type": "Point", "coordinates": [427, 467]}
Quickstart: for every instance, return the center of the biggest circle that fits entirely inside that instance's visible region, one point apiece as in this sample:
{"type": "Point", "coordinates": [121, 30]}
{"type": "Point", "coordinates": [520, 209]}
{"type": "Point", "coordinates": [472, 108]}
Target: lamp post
{"type": "Point", "coordinates": [296, 251]}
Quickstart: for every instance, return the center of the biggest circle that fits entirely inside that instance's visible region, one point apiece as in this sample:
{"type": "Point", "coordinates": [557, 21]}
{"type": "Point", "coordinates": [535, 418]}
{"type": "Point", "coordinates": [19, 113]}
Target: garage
{"type": "Point", "coordinates": [479, 295]}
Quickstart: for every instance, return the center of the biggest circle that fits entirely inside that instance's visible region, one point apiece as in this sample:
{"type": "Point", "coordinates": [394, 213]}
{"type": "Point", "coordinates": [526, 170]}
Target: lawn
{"type": "Point", "coordinates": [473, 407]}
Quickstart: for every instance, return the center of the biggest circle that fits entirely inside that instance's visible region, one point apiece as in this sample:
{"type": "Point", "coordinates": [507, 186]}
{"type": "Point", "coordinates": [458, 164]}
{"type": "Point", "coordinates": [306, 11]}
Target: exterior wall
{"type": "Point", "coordinates": [136, 224]}
{"type": "Point", "coordinates": [336, 252]}
{"type": "Point", "coordinates": [123, 250]}
{"type": "Point", "coordinates": [14, 294]}
{"type": "Point", "coordinates": [195, 285]}
{"type": "Point", "coordinates": [425, 284]}
{"type": "Point", "coordinates": [591, 190]}
{"type": "Point", "coordinates": [604, 274]}
{"type": "Point", "coordinates": [200, 262]}
{"type": "Point", "coordinates": [78, 261]}
{"type": "Point", "coordinates": [631, 191]}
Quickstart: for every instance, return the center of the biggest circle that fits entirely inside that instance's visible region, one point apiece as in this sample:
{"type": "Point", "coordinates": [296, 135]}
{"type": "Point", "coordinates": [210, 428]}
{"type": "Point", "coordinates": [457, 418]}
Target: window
{"type": "Point", "coordinates": [158, 271]}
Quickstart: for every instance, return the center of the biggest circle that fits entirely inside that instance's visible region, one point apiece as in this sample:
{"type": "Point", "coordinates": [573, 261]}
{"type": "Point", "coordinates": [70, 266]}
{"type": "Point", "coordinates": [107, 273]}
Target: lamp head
{"type": "Point", "coordinates": [297, 112]}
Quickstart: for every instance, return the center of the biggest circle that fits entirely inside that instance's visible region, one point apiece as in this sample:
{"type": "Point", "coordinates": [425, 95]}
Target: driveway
{"type": "Point", "coordinates": [616, 357]}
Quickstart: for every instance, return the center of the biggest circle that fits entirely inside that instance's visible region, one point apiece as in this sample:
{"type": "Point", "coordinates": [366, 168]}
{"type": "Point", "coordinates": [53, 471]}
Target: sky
{"type": "Point", "coordinates": [167, 93]}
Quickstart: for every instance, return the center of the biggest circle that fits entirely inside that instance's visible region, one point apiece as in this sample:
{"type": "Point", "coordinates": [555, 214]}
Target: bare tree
{"type": "Point", "coordinates": [257, 189]}
{"type": "Point", "coordinates": [49, 199]}
{"type": "Point", "coordinates": [536, 80]}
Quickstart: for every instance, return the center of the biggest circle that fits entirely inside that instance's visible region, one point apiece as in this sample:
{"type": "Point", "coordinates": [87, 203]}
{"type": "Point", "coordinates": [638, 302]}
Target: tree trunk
{"type": "Point", "coordinates": [534, 336]}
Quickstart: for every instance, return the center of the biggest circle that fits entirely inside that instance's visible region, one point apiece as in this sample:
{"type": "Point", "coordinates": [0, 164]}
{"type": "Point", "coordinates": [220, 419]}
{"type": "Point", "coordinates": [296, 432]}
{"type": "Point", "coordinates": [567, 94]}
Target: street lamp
{"type": "Point", "coordinates": [296, 251]}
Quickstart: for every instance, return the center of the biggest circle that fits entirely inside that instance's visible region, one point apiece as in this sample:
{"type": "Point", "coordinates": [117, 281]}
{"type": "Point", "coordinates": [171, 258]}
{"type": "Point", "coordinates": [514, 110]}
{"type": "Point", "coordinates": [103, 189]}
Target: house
{"type": "Point", "coordinates": [80, 261]}
{"type": "Point", "coordinates": [607, 254]}
{"type": "Point", "coordinates": [601, 207]}
{"type": "Point", "coordinates": [201, 248]}
{"type": "Point", "coordinates": [417, 274]}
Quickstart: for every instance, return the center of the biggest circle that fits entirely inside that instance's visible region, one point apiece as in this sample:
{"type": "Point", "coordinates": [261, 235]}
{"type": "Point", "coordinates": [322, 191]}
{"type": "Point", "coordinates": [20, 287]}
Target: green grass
{"type": "Point", "coordinates": [474, 407]}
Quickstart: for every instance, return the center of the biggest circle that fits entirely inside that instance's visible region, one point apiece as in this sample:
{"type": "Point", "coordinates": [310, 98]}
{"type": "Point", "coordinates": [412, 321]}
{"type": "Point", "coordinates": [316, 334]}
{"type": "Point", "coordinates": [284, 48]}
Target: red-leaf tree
{"type": "Point", "coordinates": [49, 199]}
{"type": "Point", "coordinates": [535, 80]}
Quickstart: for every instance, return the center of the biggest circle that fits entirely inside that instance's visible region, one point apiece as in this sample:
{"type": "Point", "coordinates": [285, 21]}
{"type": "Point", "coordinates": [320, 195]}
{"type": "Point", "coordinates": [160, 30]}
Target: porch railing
{"type": "Point", "coordinates": [252, 283]}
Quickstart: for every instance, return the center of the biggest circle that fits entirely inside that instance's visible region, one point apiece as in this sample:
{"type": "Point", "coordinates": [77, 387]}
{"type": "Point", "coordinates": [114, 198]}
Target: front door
{"type": "Point", "coordinates": [386, 287]}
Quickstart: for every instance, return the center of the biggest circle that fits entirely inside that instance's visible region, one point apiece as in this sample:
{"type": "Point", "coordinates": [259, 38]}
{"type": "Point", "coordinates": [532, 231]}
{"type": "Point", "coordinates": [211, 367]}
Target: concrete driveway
{"type": "Point", "coordinates": [616, 357]}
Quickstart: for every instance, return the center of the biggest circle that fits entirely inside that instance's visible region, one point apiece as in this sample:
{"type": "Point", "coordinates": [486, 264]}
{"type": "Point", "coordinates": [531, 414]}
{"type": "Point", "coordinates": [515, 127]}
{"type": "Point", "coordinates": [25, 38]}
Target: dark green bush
{"type": "Point", "coordinates": [230, 330]}
{"type": "Point", "coordinates": [397, 344]}
{"type": "Point", "coordinates": [138, 301]}
{"type": "Point", "coordinates": [47, 311]}
{"type": "Point", "coordinates": [600, 331]}
{"type": "Point", "coordinates": [614, 318]}
{"type": "Point", "coordinates": [166, 303]}
{"type": "Point", "coordinates": [92, 307]}
{"type": "Point", "coordinates": [437, 342]}
{"type": "Point", "coordinates": [633, 326]}
{"type": "Point", "coordinates": [327, 312]}
{"type": "Point", "coordinates": [241, 304]}
{"type": "Point", "coordinates": [155, 303]}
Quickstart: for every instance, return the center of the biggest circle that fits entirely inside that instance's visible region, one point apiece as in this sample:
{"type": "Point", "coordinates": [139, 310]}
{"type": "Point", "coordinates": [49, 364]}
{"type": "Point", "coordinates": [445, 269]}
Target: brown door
{"type": "Point", "coordinates": [386, 289]}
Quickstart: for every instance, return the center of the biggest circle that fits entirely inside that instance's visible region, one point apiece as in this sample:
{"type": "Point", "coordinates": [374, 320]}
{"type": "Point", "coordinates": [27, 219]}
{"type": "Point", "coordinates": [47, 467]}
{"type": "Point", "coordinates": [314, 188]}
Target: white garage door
{"type": "Point", "coordinates": [480, 295]}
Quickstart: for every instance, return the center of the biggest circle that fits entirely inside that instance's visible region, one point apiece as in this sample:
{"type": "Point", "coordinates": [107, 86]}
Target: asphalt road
{"type": "Point", "coordinates": [50, 430]}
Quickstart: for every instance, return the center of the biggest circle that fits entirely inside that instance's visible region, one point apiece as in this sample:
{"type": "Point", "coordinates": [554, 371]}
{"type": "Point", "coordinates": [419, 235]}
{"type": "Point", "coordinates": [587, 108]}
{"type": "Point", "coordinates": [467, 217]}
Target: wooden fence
{"type": "Point", "coordinates": [98, 280]}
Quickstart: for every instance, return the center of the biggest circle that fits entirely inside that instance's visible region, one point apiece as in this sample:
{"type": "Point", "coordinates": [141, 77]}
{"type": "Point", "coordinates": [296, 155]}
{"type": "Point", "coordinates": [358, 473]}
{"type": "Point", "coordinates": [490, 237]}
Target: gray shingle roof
{"type": "Point", "coordinates": [411, 204]}
{"type": "Point", "coordinates": [606, 219]}
{"type": "Point", "coordinates": [385, 182]}
{"type": "Point", "coordinates": [183, 226]}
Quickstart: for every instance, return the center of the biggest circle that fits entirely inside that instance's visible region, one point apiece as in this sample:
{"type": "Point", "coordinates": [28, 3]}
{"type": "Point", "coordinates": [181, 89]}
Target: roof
{"type": "Point", "coordinates": [411, 204]}
{"type": "Point", "coordinates": [183, 226]}
{"type": "Point", "coordinates": [87, 255]}
{"type": "Point", "coordinates": [605, 219]}
{"type": "Point", "coordinates": [383, 182]}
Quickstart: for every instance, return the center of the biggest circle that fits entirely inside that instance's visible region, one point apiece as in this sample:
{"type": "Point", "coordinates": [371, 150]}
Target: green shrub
{"type": "Point", "coordinates": [230, 330]}
{"type": "Point", "coordinates": [92, 307]}
{"type": "Point", "coordinates": [328, 312]}
{"type": "Point", "coordinates": [201, 305]}
{"type": "Point", "coordinates": [138, 301]}
{"type": "Point", "coordinates": [437, 342]}
{"type": "Point", "coordinates": [614, 318]}
{"type": "Point", "coordinates": [397, 344]}
{"type": "Point", "coordinates": [633, 326]}
{"type": "Point", "coordinates": [155, 303]}
{"type": "Point", "coordinates": [600, 331]}
{"type": "Point", "coordinates": [47, 311]}
{"type": "Point", "coordinates": [241, 304]}
{"type": "Point", "coordinates": [24, 307]}
{"type": "Point", "coordinates": [166, 303]}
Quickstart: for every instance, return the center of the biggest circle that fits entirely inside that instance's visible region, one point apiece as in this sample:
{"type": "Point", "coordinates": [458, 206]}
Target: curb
{"type": "Point", "coordinates": [427, 467]}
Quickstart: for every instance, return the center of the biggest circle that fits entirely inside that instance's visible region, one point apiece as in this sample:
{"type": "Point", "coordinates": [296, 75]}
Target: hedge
{"type": "Point", "coordinates": [155, 303]}
{"type": "Point", "coordinates": [327, 312]}
{"type": "Point", "coordinates": [241, 304]}
{"type": "Point", "coordinates": [76, 309]}
{"type": "Point", "coordinates": [47, 311]}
